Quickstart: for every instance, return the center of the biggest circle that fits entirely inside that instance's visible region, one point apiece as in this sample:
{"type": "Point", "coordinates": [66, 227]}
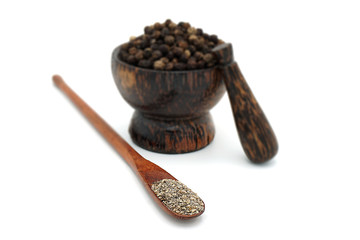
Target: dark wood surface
{"type": "Point", "coordinates": [256, 135]}
{"type": "Point", "coordinates": [172, 106]}
{"type": "Point", "coordinates": [176, 135]}
{"type": "Point", "coordinates": [147, 171]}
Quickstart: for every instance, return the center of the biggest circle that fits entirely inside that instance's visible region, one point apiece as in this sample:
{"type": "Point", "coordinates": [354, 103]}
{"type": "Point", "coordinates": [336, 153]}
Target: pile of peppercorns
{"type": "Point", "coordinates": [171, 46]}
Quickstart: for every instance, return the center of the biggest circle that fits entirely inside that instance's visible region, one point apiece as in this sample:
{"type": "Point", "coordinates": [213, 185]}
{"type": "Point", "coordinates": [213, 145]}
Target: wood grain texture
{"type": "Point", "coordinates": [256, 135]}
{"type": "Point", "coordinates": [169, 100]}
{"type": "Point", "coordinates": [176, 135]}
{"type": "Point", "coordinates": [147, 171]}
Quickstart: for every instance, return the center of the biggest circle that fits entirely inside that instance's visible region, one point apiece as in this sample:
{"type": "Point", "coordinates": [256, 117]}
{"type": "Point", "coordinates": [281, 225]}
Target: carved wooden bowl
{"type": "Point", "coordinates": [172, 107]}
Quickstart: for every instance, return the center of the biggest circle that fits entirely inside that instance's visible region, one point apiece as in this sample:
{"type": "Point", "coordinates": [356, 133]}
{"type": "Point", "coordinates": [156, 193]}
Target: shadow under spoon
{"type": "Point", "coordinates": [171, 195]}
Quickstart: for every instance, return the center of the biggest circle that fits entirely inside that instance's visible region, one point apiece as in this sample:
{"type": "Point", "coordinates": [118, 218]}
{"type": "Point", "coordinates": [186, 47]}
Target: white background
{"type": "Point", "coordinates": [60, 180]}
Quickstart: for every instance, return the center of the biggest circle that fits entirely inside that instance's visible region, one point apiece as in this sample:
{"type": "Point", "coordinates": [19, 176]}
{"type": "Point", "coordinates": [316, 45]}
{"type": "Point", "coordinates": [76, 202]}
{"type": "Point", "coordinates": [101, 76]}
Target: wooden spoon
{"type": "Point", "coordinates": [148, 172]}
{"type": "Point", "coordinates": [256, 135]}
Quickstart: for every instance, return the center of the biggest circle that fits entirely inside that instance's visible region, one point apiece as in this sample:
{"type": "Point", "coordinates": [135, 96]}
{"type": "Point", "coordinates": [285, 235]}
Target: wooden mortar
{"type": "Point", "coordinates": [171, 107]}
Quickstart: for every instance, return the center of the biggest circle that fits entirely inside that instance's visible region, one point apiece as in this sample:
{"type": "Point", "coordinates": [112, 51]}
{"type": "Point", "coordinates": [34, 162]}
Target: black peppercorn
{"type": "Point", "coordinates": [208, 57]}
{"type": "Point", "coordinates": [198, 55]}
{"type": "Point", "coordinates": [169, 40]}
{"type": "Point", "coordinates": [179, 66]}
{"type": "Point", "coordinates": [148, 30]}
{"type": "Point", "coordinates": [170, 55]}
{"type": "Point", "coordinates": [132, 50]}
{"type": "Point", "coordinates": [184, 25]}
{"type": "Point", "coordinates": [139, 55]}
{"type": "Point", "coordinates": [156, 54]}
{"type": "Point", "coordinates": [156, 34]}
{"type": "Point", "coordinates": [183, 58]}
{"type": "Point", "coordinates": [159, 65]}
{"type": "Point", "coordinates": [147, 53]}
{"type": "Point", "coordinates": [172, 25]}
{"type": "Point", "coordinates": [191, 30]}
{"type": "Point", "coordinates": [178, 32]}
{"type": "Point", "coordinates": [193, 38]}
{"type": "Point", "coordinates": [201, 64]}
{"type": "Point", "coordinates": [205, 49]}
{"type": "Point", "coordinates": [167, 22]}
{"type": "Point", "coordinates": [211, 44]}
{"type": "Point", "coordinates": [123, 55]}
{"type": "Point", "coordinates": [170, 46]}
{"type": "Point", "coordinates": [154, 46]}
{"type": "Point", "coordinates": [159, 41]}
{"type": "Point", "coordinates": [165, 31]}
{"type": "Point", "coordinates": [191, 63]}
{"type": "Point", "coordinates": [144, 43]}
{"type": "Point", "coordinates": [213, 38]}
{"type": "Point", "coordinates": [192, 49]}
{"type": "Point", "coordinates": [157, 26]}
{"type": "Point", "coordinates": [179, 38]}
{"type": "Point", "coordinates": [131, 59]}
{"type": "Point", "coordinates": [169, 66]}
{"type": "Point", "coordinates": [187, 53]}
{"type": "Point", "coordinates": [145, 63]}
{"type": "Point", "coordinates": [137, 43]}
{"type": "Point", "coordinates": [164, 49]}
{"type": "Point", "coordinates": [199, 45]}
{"type": "Point", "coordinates": [183, 44]}
{"type": "Point", "coordinates": [178, 51]}
{"type": "Point", "coordinates": [125, 47]}
{"type": "Point", "coordinates": [164, 59]}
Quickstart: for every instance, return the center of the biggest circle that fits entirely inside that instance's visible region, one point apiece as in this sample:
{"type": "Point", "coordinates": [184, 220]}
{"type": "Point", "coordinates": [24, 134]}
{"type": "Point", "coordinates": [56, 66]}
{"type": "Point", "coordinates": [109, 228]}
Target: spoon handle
{"type": "Point", "coordinates": [256, 135]}
{"type": "Point", "coordinates": [118, 143]}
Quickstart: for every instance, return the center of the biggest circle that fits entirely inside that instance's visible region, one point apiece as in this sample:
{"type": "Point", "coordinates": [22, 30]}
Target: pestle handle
{"type": "Point", "coordinates": [256, 135]}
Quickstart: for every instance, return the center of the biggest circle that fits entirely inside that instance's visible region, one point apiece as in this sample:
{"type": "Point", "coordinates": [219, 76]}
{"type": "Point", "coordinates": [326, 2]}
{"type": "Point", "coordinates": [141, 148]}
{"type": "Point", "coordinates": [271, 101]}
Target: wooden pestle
{"type": "Point", "coordinates": [256, 135]}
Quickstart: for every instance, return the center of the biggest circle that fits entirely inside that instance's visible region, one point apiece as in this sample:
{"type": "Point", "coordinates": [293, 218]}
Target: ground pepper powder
{"type": "Point", "coordinates": [177, 197]}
